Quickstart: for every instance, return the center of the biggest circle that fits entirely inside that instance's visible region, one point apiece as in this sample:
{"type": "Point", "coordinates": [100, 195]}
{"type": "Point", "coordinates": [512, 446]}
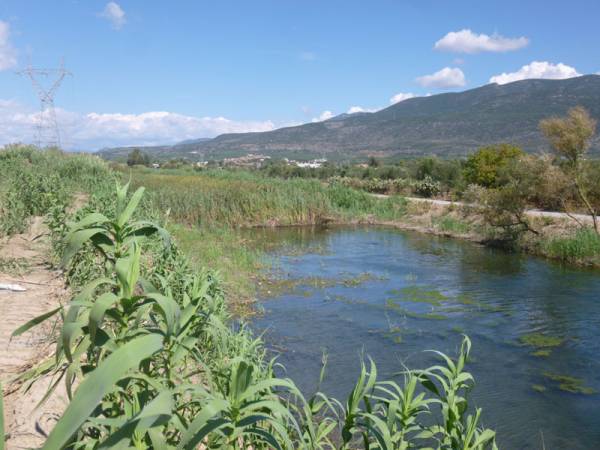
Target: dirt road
{"type": "Point", "coordinates": [584, 218]}
{"type": "Point", "coordinates": [27, 426]}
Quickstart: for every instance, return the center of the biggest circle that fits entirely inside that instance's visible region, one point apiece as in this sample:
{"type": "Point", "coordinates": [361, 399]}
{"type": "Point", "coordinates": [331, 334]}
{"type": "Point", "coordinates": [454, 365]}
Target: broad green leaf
{"type": "Point", "coordinates": [97, 384]}
{"type": "Point", "coordinates": [169, 309]}
{"type": "Point", "coordinates": [76, 240]}
{"type": "Point", "coordinates": [128, 211]}
{"type": "Point", "coordinates": [33, 322]}
{"type": "Point", "coordinates": [154, 413]}
{"type": "Point", "coordinates": [94, 218]}
{"type": "Point", "coordinates": [103, 302]}
{"type": "Point", "coordinates": [207, 420]}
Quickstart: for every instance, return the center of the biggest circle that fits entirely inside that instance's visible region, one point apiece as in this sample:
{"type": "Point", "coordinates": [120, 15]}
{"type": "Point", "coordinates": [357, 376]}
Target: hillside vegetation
{"type": "Point", "coordinates": [450, 124]}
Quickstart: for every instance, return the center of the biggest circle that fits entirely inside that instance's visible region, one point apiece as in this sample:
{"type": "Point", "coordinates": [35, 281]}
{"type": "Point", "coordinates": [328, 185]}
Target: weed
{"type": "Point", "coordinates": [584, 244]}
{"type": "Point", "coordinates": [14, 266]}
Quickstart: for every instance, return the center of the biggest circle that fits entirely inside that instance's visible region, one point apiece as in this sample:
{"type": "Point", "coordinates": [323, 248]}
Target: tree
{"type": "Point", "coordinates": [505, 207]}
{"type": "Point", "coordinates": [137, 157]}
{"type": "Point", "coordinates": [570, 137]}
{"type": "Point", "coordinates": [373, 162]}
{"type": "Point", "coordinates": [484, 166]}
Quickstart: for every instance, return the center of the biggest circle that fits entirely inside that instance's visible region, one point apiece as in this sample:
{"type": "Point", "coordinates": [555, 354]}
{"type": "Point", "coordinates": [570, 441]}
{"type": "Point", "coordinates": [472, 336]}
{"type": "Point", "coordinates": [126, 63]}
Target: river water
{"type": "Point", "coordinates": [391, 295]}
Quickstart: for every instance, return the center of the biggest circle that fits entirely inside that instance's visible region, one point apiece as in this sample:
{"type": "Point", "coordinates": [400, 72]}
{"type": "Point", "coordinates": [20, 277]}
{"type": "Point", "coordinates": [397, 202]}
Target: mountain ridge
{"type": "Point", "coordinates": [447, 124]}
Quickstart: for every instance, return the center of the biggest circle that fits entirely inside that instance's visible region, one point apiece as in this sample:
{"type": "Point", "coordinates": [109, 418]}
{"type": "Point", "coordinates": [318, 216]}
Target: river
{"type": "Point", "coordinates": [391, 295]}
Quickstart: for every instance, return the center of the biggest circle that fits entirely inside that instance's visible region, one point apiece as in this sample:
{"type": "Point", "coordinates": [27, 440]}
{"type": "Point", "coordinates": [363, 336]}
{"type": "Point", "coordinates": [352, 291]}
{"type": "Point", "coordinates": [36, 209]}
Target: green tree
{"type": "Point", "coordinates": [505, 207]}
{"type": "Point", "coordinates": [570, 137]}
{"type": "Point", "coordinates": [137, 157]}
{"type": "Point", "coordinates": [373, 162]}
{"type": "Point", "coordinates": [484, 166]}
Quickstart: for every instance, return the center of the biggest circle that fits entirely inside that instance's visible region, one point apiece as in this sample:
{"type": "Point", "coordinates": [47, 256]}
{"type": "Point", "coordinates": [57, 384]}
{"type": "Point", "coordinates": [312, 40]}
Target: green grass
{"type": "Point", "coordinates": [584, 245]}
{"type": "Point", "coordinates": [14, 266]}
{"type": "Point", "coordinates": [227, 252]}
{"type": "Point", "coordinates": [33, 182]}
{"type": "Point", "coordinates": [222, 198]}
{"type": "Point", "coordinates": [451, 225]}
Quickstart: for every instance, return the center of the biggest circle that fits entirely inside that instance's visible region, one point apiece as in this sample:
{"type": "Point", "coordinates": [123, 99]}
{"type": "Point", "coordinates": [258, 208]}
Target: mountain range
{"type": "Point", "coordinates": [449, 124]}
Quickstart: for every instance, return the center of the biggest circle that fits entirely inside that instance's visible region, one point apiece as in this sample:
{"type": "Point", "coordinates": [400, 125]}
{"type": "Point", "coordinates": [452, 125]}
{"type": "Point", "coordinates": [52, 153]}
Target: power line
{"type": "Point", "coordinates": [48, 133]}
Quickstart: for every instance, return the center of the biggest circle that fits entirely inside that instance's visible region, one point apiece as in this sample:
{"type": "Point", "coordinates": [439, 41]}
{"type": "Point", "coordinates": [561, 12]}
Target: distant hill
{"type": "Point", "coordinates": [450, 124]}
{"type": "Point", "coordinates": [184, 149]}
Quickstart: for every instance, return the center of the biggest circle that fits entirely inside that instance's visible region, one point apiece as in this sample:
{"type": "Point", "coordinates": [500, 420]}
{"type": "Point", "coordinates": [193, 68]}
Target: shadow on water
{"type": "Point", "coordinates": [535, 326]}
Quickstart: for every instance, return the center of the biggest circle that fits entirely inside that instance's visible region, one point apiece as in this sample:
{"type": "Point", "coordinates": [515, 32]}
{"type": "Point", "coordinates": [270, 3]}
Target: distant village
{"type": "Point", "coordinates": [257, 161]}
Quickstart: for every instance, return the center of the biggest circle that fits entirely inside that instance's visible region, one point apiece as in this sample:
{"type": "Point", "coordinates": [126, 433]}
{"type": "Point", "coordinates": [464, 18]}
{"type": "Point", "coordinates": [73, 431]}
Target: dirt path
{"type": "Point", "coordinates": [25, 425]}
{"type": "Point", "coordinates": [530, 212]}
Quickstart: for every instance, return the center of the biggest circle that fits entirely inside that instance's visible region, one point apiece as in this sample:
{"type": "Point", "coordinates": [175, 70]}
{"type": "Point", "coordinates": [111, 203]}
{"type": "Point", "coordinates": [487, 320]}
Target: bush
{"type": "Point", "coordinates": [483, 167]}
{"type": "Point", "coordinates": [427, 187]}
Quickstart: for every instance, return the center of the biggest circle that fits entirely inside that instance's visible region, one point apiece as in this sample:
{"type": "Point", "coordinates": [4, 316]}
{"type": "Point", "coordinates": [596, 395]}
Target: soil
{"type": "Point", "coordinates": [26, 425]}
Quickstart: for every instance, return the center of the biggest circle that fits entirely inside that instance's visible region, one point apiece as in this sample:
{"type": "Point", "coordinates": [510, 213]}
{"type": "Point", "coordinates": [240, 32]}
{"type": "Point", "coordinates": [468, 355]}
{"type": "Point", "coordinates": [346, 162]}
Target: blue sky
{"type": "Point", "coordinates": [157, 72]}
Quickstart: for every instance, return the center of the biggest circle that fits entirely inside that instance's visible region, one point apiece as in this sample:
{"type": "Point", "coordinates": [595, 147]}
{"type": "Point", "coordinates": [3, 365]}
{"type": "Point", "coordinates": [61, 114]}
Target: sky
{"type": "Point", "coordinates": [157, 72]}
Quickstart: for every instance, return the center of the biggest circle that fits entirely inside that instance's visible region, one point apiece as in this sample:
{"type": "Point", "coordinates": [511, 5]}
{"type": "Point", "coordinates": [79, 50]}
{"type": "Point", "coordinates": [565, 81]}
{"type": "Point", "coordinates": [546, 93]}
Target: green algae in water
{"type": "Point", "coordinates": [394, 334]}
{"type": "Point", "coordinates": [542, 353]}
{"type": "Point", "coordinates": [418, 294]}
{"type": "Point", "coordinates": [275, 287]}
{"type": "Point", "coordinates": [360, 279]}
{"type": "Point", "coordinates": [570, 384]}
{"type": "Point", "coordinates": [459, 330]}
{"type": "Point", "coordinates": [539, 388]}
{"type": "Point", "coordinates": [391, 304]}
{"type": "Point", "coordinates": [540, 340]}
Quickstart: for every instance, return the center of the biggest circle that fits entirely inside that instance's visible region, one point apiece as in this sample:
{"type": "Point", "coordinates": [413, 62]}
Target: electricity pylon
{"type": "Point", "coordinates": [48, 134]}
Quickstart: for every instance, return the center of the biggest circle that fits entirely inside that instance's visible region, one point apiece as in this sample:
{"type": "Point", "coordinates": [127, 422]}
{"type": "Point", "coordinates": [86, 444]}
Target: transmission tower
{"type": "Point", "coordinates": [46, 82]}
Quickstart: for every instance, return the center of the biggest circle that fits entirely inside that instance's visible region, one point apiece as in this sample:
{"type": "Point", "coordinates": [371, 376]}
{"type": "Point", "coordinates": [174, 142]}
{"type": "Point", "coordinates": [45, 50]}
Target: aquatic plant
{"type": "Point", "coordinates": [540, 340]}
{"type": "Point", "coordinates": [569, 384]}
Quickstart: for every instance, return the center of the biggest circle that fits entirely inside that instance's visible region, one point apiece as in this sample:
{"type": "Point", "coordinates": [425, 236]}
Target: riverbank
{"type": "Point", "coordinates": [558, 236]}
{"type": "Point", "coordinates": [207, 209]}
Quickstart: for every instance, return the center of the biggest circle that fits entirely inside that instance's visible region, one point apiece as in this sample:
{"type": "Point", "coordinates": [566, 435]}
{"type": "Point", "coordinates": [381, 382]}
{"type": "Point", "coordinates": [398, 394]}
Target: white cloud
{"type": "Point", "coordinates": [537, 69]}
{"type": "Point", "coordinates": [325, 115]}
{"type": "Point", "coordinates": [96, 130]}
{"type": "Point", "coordinates": [401, 96]}
{"type": "Point", "coordinates": [448, 77]}
{"type": "Point", "coordinates": [465, 41]}
{"type": "Point", "coordinates": [8, 55]}
{"type": "Point", "coordinates": [115, 14]}
{"type": "Point", "coordinates": [360, 109]}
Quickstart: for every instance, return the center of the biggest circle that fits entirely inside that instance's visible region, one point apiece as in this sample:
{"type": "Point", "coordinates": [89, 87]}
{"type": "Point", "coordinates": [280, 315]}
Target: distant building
{"type": "Point", "coordinates": [250, 160]}
{"type": "Point", "coordinates": [313, 164]}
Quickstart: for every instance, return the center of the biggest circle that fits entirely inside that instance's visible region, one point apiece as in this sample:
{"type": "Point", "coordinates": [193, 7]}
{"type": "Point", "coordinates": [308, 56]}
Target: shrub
{"type": "Point", "coordinates": [483, 166]}
{"type": "Point", "coordinates": [427, 187]}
